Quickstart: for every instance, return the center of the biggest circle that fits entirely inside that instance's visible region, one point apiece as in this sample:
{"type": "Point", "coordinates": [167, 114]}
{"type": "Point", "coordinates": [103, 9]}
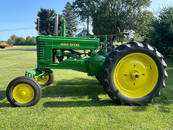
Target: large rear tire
{"type": "Point", "coordinates": [134, 73]}
{"type": "Point", "coordinates": [99, 80]}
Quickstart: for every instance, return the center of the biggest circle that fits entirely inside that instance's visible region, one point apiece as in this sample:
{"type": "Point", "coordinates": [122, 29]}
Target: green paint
{"type": "Point", "coordinates": [49, 48]}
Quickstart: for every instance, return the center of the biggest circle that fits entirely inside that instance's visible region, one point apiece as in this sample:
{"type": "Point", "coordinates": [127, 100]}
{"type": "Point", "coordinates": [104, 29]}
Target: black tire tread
{"type": "Point", "coordinates": [27, 80]}
{"type": "Point", "coordinates": [107, 70]}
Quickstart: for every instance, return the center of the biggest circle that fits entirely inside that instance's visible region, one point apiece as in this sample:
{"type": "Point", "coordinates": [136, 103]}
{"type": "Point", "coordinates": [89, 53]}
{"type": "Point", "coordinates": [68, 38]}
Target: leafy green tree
{"type": "Point", "coordinates": [118, 16]}
{"type": "Point", "coordinates": [12, 39]}
{"type": "Point", "coordinates": [20, 41]}
{"type": "Point", "coordinates": [144, 23]}
{"type": "Point", "coordinates": [71, 18]}
{"type": "Point", "coordinates": [162, 34]}
{"type": "Point", "coordinates": [30, 40]}
{"type": "Point", "coordinates": [112, 16]}
{"type": "Point", "coordinates": [46, 21]}
{"type": "Point", "coordinates": [15, 40]}
{"type": "Point", "coordinates": [85, 9]}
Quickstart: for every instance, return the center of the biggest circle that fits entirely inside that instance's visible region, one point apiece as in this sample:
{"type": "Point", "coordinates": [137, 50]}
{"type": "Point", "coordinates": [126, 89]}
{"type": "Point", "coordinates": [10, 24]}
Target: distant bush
{"type": "Point", "coordinates": [15, 40]}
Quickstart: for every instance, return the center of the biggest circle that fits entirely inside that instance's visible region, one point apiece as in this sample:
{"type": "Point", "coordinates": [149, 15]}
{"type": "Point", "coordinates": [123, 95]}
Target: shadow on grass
{"type": "Point", "coordinates": [166, 97]}
{"type": "Point", "coordinates": [2, 94]}
{"type": "Point", "coordinates": [163, 105]}
{"type": "Point", "coordinates": [2, 99]}
{"type": "Point", "coordinates": [76, 89]}
{"type": "Point", "coordinates": [21, 49]}
{"type": "Point", "coordinates": [2, 104]}
{"type": "Point", "coordinates": [139, 108]}
{"type": "Point", "coordinates": [91, 103]}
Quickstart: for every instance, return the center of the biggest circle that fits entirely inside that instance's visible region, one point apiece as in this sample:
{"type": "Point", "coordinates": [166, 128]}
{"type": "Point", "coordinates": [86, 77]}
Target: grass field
{"type": "Point", "coordinates": [76, 101]}
{"type": "Point", "coordinates": [24, 46]}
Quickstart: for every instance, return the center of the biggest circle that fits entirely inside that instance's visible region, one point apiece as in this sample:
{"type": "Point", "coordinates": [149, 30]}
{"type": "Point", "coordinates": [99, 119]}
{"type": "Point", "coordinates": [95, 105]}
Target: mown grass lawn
{"type": "Point", "coordinates": [76, 101]}
{"type": "Point", "coordinates": [32, 46]}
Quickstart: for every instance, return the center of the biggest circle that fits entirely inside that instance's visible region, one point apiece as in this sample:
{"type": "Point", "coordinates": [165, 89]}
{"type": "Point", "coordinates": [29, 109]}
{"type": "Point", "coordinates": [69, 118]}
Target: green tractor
{"type": "Point", "coordinates": [131, 74]}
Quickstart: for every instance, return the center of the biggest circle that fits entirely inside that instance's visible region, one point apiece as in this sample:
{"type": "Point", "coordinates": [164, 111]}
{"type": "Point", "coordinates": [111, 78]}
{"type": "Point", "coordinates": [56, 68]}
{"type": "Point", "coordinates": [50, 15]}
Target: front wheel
{"type": "Point", "coordinates": [134, 73]}
{"type": "Point", "coordinates": [23, 92]}
{"type": "Point", "coordinates": [45, 80]}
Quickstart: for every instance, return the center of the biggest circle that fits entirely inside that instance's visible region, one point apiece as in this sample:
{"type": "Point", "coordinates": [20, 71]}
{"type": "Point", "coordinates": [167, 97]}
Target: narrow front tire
{"type": "Point", "coordinates": [45, 80]}
{"type": "Point", "coordinates": [23, 92]}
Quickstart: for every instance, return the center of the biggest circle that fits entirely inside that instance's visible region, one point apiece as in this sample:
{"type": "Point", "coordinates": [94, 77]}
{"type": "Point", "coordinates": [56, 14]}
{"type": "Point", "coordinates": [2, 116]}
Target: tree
{"type": "Point", "coordinates": [84, 9]}
{"type": "Point", "coordinates": [111, 16]}
{"type": "Point", "coordinates": [162, 34]}
{"type": "Point", "coordinates": [15, 40]}
{"type": "Point", "coordinates": [19, 41]}
{"type": "Point", "coordinates": [71, 18]}
{"type": "Point", "coordinates": [118, 16]}
{"type": "Point", "coordinates": [46, 21]}
{"type": "Point", "coordinates": [30, 40]}
{"type": "Point", "coordinates": [144, 23]}
{"type": "Point", "coordinates": [12, 39]}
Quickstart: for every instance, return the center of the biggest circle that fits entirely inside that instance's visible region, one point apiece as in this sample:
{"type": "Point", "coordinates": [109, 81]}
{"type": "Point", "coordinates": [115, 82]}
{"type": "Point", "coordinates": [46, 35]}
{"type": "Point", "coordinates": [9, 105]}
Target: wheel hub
{"type": "Point", "coordinates": [23, 93]}
{"type": "Point", "coordinates": [135, 75]}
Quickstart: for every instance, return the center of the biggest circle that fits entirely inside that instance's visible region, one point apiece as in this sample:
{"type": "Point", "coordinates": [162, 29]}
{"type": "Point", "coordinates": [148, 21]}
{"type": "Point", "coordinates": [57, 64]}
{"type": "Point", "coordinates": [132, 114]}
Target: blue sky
{"type": "Point", "coordinates": [22, 13]}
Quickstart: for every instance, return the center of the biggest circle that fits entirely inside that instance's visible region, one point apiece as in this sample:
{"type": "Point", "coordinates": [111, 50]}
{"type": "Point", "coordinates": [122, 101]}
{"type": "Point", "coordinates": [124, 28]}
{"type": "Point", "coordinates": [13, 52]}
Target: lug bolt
{"type": "Point", "coordinates": [136, 76]}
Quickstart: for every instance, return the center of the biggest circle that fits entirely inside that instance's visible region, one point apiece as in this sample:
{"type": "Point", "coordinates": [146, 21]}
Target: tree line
{"type": "Point", "coordinates": [118, 18]}
{"type": "Point", "coordinates": [107, 17]}
{"type": "Point", "coordinates": [16, 40]}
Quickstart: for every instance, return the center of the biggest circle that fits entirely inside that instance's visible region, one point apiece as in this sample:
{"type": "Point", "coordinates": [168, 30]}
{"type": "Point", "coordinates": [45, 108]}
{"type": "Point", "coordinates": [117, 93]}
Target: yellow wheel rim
{"type": "Point", "coordinates": [136, 75]}
{"type": "Point", "coordinates": [23, 93]}
{"type": "Point", "coordinates": [42, 80]}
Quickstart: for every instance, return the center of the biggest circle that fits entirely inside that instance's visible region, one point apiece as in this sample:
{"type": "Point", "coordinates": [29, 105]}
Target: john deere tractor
{"type": "Point", "coordinates": [131, 74]}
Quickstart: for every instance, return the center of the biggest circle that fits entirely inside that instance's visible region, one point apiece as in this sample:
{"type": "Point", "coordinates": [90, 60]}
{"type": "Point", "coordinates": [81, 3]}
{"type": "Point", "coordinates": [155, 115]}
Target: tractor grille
{"type": "Point", "coordinates": [40, 50]}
